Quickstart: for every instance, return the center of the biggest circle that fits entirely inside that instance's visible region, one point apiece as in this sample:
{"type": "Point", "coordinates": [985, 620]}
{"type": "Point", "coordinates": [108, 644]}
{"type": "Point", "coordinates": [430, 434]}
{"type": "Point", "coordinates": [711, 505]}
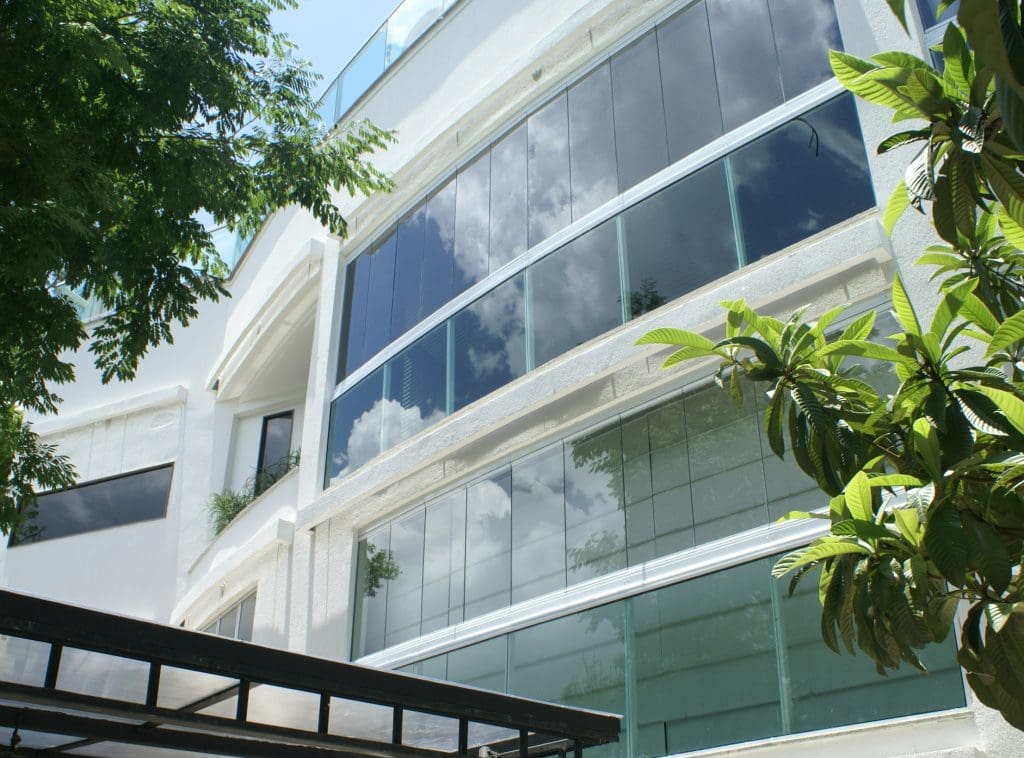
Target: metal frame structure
{"type": "Point", "coordinates": [87, 719]}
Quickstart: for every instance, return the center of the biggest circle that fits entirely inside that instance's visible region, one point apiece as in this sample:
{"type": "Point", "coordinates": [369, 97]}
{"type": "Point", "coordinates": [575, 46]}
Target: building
{"type": "Point", "coordinates": [495, 485]}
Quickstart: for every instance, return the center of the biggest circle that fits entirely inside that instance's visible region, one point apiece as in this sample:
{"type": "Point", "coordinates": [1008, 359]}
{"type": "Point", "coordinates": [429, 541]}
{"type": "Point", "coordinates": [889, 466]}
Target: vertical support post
{"type": "Point", "coordinates": [781, 658]}
{"type": "Point", "coordinates": [530, 361]}
{"type": "Point", "coordinates": [53, 666]}
{"type": "Point", "coordinates": [734, 211]}
{"type": "Point", "coordinates": [623, 253]}
{"type": "Point", "coordinates": [524, 744]}
{"type": "Point", "coordinates": [577, 750]}
{"type": "Point", "coordinates": [396, 726]}
{"type": "Point", "coordinates": [242, 711]}
{"type": "Point", "coordinates": [153, 686]}
{"type": "Point", "coordinates": [324, 719]}
{"type": "Point", "coordinates": [463, 737]}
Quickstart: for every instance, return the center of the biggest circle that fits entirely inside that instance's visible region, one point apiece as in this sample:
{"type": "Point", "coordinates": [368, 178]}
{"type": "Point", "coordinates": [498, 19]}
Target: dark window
{"type": "Point", "coordinates": [102, 504]}
{"type": "Point", "coordinates": [353, 328]}
{"type": "Point", "coordinates": [378, 304]}
{"type": "Point", "coordinates": [592, 142]}
{"type": "Point", "coordinates": [801, 178]}
{"type": "Point", "coordinates": [929, 11]}
{"type": "Point", "coordinates": [805, 30]}
{"type": "Point", "coordinates": [692, 111]}
{"type": "Point", "coordinates": [574, 293]}
{"type": "Point", "coordinates": [548, 166]}
{"type": "Point", "coordinates": [275, 450]}
{"type": "Point", "coordinates": [640, 139]}
{"type": "Point", "coordinates": [746, 63]}
{"type": "Point", "coordinates": [439, 250]}
{"type": "Point", "coordinates": [679, 239]}
{"type": "Point", "coordinates": [416, 387]}
{"type": "Point", "coordinates": [405, 306]}
{"type": "Point", "coordinates": [508, 199]}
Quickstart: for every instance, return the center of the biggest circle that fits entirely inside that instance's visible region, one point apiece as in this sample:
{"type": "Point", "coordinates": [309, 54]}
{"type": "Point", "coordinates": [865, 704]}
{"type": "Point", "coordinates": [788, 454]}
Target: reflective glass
{"type": "Point", "coordinates": [444, 561]}
{"type": "Point", "coordinates": [692, 111]}
{"type": "Point", "coordinates": [353, 327]}
{"type": "Point", "coordinates": [406, 307]}
{"type": "Point", "coordinates": [327, 109]}
{"type": "Point", "coordinates": [275, 448]}
{"type": "Point", "coordinates": [832, 690]}
{"type": "Point", "coordinates": [595, 526]}
{"type": "Point", "coordinates": [725, 457]}
{"type": "Point", "coordinates": [101, 675]}
{"type": "Point", "coordinates": [416, 387]}
{"type": "Point", "coordinates": [405, 591]}
{"type": "Point", "coordinates": [679, 239]}
{"type": "Point", "coordinates": [126, 499]}
{"type": "Point", "coordinates": [715, 629]}
{"type": "Point", "coordinates": [355, 431]}
{"type": "Point", "coordinates": [548, 168]}
{"type": "Point", "coordinates": [472, 189]}
{"type": "Point", "coordinates": [375, 563]}
{"type": "Point", "coordinates": [246, 613]}
{"type": "Point", "coordinates": [279, 706]}
{"type": "Point", "coordinates": [929, 8]}
{"type": "Point", "coordinates": [592, 142]}
{"type": "Point", "coordinates": [488, 343]}
{"type": "Point", "coordinates": [379, 296]}
{"type": "Point", "coordinates": [805, 30]}
{"type": "Point", "coordinates": [488, 544]}
{"type": "Point", "coordinates": [746, 63]}
{"type": "Point", "coordinates": [575, 294]}
{"type": "Point", "coordinates": [482, 665]}
{"type": "Point", "coordinates": [228, 623]}
{"type": "Point", "coordinates": [538, 524]}
{"type": "Point", "coordinates": [641, 145]}
{"type": "Point", "coordinates": [508, 198]}
{"type": "Point", "coordinates": [439, 250]}
{"type": "Point", "coordinates": [407, 23]}
{"type": "Point", "coordinates": [801, 178]}
{"type": "Point", "coordinates": [363, 71]}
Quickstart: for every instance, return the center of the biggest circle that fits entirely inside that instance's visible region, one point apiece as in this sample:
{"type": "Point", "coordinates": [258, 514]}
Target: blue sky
{"type": "Point", "coordinates": [330, 32]}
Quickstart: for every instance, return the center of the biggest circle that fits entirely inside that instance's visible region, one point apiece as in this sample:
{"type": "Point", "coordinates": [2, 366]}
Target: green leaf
{"type": "Point", "coordinates": [949, 308]}
{"type": "Point", "coordinates": [773, 422]}
{"type": "Point", "coordinates": [959, 66]}
{"type": "Point", "coordinates": [981, 20]}
{"type": "Point", "coordinates": [975, 311]}
{"type": "Point", "coordinates": [904, 310]}
{"type": "Point", "coordinates": [894, 480]}
{"type": "Point", "coordinates": [864, 349]}
{"type": "Point", "coordinates": [1007, 185]}
{"type": "Point", "coordinates": [926, 445]}
{"type": "Point", "coordinates": [1011, 106]}
{"type": "Point", "coordinates": [858, 497]}
{"type": "Point", "coordinates": [686, 354]}
{"type": "Point", "coordinates": [1011, 405]}
{"type": "Point", "coordinates": [899, 201]}
{"type": "Point", "coordinates": [669, 336]}
{"type": "Point", "coordinates": [940, 615]}
{"type": "Point", "coordinates": [987, 553]}
{"type": "Point", "coordinates": [898, 9]}
{"type": "Point", "coordinates": [865, 530]}
{"type": "Point", "coordinates": [826, 547]}
{"type": "Point", "coordinates": [946, 543]}
{"type": "Point", "coordinates": [860, 328]}
{"type": "Point", "coordinates": [909, 524]}
{"type": "Point", "coordinates": [1008, 333]}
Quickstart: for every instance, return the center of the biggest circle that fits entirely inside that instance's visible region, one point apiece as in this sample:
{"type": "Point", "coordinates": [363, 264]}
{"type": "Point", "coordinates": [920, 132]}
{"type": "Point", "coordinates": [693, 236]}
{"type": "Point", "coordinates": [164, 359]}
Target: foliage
{"type": "Point", "coordinates": [380, 567]}
{"type": "Point", "coordinates": [224, 506]}
{"type": "Point", "coordinates": [926, 508]}
{"type": "Point", "coordinates": [121, 122]}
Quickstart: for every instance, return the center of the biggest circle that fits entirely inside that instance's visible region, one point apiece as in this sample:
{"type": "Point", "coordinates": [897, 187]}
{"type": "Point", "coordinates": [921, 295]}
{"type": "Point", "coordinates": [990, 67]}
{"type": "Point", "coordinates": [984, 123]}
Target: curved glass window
{"type": "Point", "coordinates": [801, 178]}
{"type": "Point", "coordinates": [708, 69]}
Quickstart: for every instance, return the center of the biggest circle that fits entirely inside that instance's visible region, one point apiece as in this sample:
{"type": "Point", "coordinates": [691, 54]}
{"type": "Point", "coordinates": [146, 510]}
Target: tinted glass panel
{"type": "Point", "coordinates": [405, 591]}
{"type": "Point", "coordinates": [355, 426]}
{"type": "Point", "coordinates": [228, 624]}
{"type": "Point", "coordinates": [375, 563]}
{"type": "Point", "coordinates": [353, 330]}
{"type": "Point", "coordinates": [548, 167]}
{"type": "Point", "coordinates": [488, 544]}
{"type": "Point", "coordinates": [439, 250]}
{"type": "Point", "coordinates": [746, 63]}
{"type": "Point", "coordinates": [595, 526]}
{"type": "Point", "coordinates": [538, 525]}
{"type": "Point", "coordinates": [445, 557]}
{"type": "Point", "coordinates": [679, 239]}
{"type": "Point", "coordinates": [408, 21]}
{"type": "Point", "coordinates": [363, 71]}
{"type": "Point", "coordinates": [508, 198]}
{"type": "Point", "coordinates": [641, 145]}
{"type": "Point", "coordinates": [801, 178]}
{"type": "Point", "coordinates": [805, 30]}
{"type": "Point", "coordinates": [246, 613]}
{"type": "Point", "coordinates": [379, 298]}
{"type": "Point", "coordinates": [592, 142]}
{"type": "Point", "coordinates": [488, 346]}
{"type": "Point", "coordinates": [416, 387]}
{"type": "Point", "coordinates": [405, 307]}
{"type": "Point", "coordinates": [125, 499]}
{"type": "Point", "coordinates": [575, 293]}
{"type": "Point", "coordinates": [471, 223]}
{"type": "Point", "coordinates": [730, 614]}
{"type": "Point", "coordinates": [276, 443]}
{"type": "Point", "coordinates": [692, 112]}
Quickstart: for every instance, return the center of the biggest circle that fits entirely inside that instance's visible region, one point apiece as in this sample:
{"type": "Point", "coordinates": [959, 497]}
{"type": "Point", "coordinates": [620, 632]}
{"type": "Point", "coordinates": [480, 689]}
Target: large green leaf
{"type": "Point", "coordinates": [667, 335]}
{"type": "Point", "coordinates": [899, 201]}
{"type": "Point", "coordinates": [774, 415]}
{"type": "Point", "coordinates": [864, 349]}
{"type": "Point", "coordinates": [826, 547]}
{"type": "Point", "coordinates": [1011, 405]}
{"type": "Point", "coordinates": [858, 497]}
{"type": "Point", "coordinates": [959, 66]}
{"type": "Point", "coordinates": [1011, 106]}
{"type": "Point", "coordinates": [1008, 333]}
{"type": "Point", "coordinates": [973, 309]}
{"type": "Point", "coordinates": [946, 543]}
{"type": "Point", "coordinates": [904, 310]}
{"type": "Point", "coordinates": [909, 524]}
{"type": "Point", "coordinates": [1007, 184]}
{"type": "Point", "coordinates": [987, 553]}
{"type": "Point", "coordinates": [986, 34]}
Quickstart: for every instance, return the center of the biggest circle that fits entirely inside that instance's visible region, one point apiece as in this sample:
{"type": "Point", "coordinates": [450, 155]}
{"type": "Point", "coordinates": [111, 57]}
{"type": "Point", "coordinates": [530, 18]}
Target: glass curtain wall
{"type": "Point", "coordinates": [705, 71]}
{"type": "Point", "coordinates": [793, 182]}
{"type": "Point", "coordinates": [724, 658]}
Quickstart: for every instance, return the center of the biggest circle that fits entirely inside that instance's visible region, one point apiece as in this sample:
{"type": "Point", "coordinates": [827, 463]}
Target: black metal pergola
{"type": "Point", "coordinates": [75, 681]}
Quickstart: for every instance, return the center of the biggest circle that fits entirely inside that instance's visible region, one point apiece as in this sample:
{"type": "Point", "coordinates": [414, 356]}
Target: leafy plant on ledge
{"type": "Point", "coordinates": [926, 485]}
{"type": "Point", "coordinates": [224, 506]}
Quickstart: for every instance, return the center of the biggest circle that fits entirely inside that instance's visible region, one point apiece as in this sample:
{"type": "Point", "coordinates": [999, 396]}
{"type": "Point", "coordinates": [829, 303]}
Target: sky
{"type": "Point", "coordinates": [330, 32]}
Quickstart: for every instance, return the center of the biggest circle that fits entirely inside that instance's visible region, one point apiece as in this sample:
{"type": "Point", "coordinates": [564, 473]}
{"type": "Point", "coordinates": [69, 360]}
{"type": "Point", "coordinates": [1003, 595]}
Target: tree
{"type": "Point", "coordinates": [120, 123]}
{"type": "Point", "coordinates": [926, 513]}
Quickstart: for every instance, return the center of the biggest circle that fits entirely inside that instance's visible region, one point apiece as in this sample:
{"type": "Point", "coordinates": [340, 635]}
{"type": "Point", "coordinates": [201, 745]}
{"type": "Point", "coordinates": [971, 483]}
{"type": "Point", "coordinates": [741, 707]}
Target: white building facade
{"type": "Point", "coordinates": [495, 486]}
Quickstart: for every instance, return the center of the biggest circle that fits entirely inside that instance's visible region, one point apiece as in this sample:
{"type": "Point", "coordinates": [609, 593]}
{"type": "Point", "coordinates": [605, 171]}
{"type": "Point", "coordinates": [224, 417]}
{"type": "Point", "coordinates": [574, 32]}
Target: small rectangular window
{"type": "Point", "coordinates": [237, 621]}
{"type": "Point", "coordinates": [275, 449]}
{"type": "Point", "coordinates": [101, 504]}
